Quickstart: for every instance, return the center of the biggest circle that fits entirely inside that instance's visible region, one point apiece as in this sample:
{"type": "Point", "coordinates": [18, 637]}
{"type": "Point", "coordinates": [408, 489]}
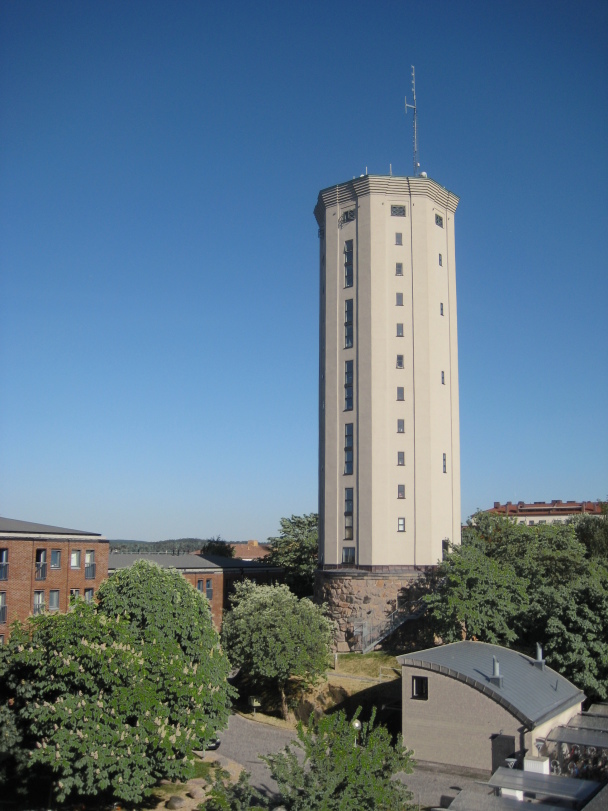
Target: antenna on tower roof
{"type": "Point", "coordinates": [413, 107]}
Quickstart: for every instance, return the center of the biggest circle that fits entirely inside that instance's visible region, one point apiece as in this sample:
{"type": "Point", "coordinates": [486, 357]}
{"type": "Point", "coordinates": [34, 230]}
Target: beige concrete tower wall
{"type": "Point", "coordinates": [426, 344]}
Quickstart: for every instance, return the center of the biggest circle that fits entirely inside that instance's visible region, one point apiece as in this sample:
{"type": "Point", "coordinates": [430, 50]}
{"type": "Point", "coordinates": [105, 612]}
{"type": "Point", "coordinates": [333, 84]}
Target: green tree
{"type": "Point", "coordinates": [296, 550]}
{"type": "Point", "coordinates": [278, 639]}
{"type": "Point", "coordinates": [163, 608]}
{"type": "Point", "coordinates": [592, 532]}
{"type": "Point", "coordinates": [341, 770]}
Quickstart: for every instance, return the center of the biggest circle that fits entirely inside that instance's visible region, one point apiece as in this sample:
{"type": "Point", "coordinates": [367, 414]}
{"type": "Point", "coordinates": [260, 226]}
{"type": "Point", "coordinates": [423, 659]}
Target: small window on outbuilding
{"type": "Point", "coordinates": [420, 688]}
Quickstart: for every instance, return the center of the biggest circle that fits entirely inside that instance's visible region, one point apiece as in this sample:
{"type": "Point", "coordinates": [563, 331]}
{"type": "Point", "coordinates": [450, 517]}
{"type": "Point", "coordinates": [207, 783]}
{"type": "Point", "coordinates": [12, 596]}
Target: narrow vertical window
{"type": "Point", "coordinates": [399, 300]}
{"type": "Point", "coordinates": [54, 600]}
{"type": "Point", "coordinates": [348, 513]}
{"type": "Point", "coordinates": [209, 589]}
{"type": "Point", "coordinates": [401, 458]}
{"type": "Point", "coordinates": [400, 426]}
{"type": "Point", "coordinates": [445, 464]}
{"type": "Point", "coordinates": [89, 564]}
{"type": "Point", "coordinates": [401, 525]}
{"type": "Point", "coordinates": [40, 565]}
{"type": "Point", "coordinates": [75, 559]}
{"type": "Point", "coordinates": [441, 308]}
{"type": "Point", "coordinates": [440, 260]}
{"type": "Point", "coordinates": [400, 393]}
{"type": "Point", "coordinates": [443, 378]}
{"type": "Point", "coordinates": [2, 608]}
{"type": "Point", "coordinates": [348, 448]}
{"type": "Point", "coordinates": [420, 688]}
{"type": "Point", "coordinates": [400, 491]}
{"type": "Point", "coordinates": [348, 263]}
{"type": "Point", "coordinates": [3, 564]}
{"type": "Point", "coordinates": [348, 385]}
{"type": "Point", "coordinates": [88, 595]}
{"type": "Point", "coordinates": [439, 220]}
{"type": "Point", "coordinates": [348, 554]}
{"type": "Point", "coordinates": [399, 269]}
{"type": "Point", "coordinates": [348, 323]}
{"type": "Point", "coordinates": [398, 239]}
{"type": "Point", "coordinates": [399, 361]}
{"type": "Point", "coordinates": [38, 602]}
{"type": "Point", "coordinates": [399, 330]}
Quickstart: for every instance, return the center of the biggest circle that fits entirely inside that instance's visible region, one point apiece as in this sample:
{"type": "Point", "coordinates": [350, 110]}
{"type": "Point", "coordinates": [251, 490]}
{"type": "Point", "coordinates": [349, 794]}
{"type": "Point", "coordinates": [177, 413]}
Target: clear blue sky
{"type": "Point", "coordinates": [159, 165]}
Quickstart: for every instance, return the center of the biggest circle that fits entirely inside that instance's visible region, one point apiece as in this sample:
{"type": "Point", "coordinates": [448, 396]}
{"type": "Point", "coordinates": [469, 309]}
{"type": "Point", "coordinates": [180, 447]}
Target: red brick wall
{"type": "Point", "coordinates": [21, 584]}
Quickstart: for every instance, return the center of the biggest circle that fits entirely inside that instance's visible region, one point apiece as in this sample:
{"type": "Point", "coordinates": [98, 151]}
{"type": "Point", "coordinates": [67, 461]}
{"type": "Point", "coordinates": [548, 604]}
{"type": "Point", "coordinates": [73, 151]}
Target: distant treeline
{"type": "Point", "coordinates": [179, 546]}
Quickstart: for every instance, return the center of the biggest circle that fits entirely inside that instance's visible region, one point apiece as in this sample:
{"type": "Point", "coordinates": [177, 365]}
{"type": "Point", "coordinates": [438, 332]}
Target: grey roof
{"type": "Point", "coordinates": [119, 560]}
{"type": "Point", "coordinates": [599, 802]}
{"type": "Point", "coordinates": [586, 721]}
{"type": "Point", "coordinates": [468, 801]}
{"type": "Point", "coordinates": [13, 526]}
{"type": "Point", "coordinates": [598, 709]}
{"type": "Point", "coordinates": [548, 785]}
{"type": "Point", "coordinates": [580, 737]}
{"type": "Point", "coordinates": [530, 693]}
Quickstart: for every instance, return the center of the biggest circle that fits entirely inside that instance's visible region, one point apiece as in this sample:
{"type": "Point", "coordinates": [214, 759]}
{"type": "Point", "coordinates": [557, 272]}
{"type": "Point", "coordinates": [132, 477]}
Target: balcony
{"type": "Point", "coordinates": [89, 571]}
{"type": "Point", "coordinates": [3, 571]}
{"type": "Point", "coordinates": [40, 573]}
{"type": "Point", "coordinates": [2, 614]}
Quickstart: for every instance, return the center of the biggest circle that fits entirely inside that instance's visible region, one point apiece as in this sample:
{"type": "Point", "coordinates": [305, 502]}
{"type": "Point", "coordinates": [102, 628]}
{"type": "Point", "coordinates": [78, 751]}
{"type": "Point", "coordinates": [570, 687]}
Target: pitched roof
{"type": "Point", "coordinates": [554, 508]}
{"type": "Point", "coordinates": [528, 691]}
{"type": "Point", "coordinates": [15, 527]}
{"type": "Point", "coordinates": [120, 560]}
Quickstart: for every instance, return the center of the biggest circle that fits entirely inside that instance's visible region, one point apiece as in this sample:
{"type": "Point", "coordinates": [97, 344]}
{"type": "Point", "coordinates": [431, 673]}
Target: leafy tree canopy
{"type": "Point", "coordinates": [180, 546]}
{"type": "Point", "coordinates": [296, 550]}
{"type": "Point", "coordinates": [517, 585]}
{"type": "Point", "coordinates": [277, 638]}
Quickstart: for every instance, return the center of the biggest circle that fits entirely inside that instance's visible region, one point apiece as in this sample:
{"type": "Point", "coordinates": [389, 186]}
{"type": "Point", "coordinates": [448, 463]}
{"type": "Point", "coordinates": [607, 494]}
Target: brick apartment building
{"type": "Point", "coordinates": [542, 512]}
{"type": "Point", "coordinates": [41, 566]}
{"type": "Point", "coordinates": [212, 575]}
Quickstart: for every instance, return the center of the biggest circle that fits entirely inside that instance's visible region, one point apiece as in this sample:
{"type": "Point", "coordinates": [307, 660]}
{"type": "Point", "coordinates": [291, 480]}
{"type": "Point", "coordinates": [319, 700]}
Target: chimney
{"type": "Point", "coordinates": [496, 678]}
{"type": "Point", "coordinates": [539, 662]}
{"type": "Point", "coordinates": [496, 505]}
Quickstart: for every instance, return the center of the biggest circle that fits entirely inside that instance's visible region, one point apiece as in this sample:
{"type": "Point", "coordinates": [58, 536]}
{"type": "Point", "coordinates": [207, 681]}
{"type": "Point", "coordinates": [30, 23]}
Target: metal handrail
{"type": "Point", "coordinates": [40, 571]}
{"type": "Point", "coordinates": [370, 634]}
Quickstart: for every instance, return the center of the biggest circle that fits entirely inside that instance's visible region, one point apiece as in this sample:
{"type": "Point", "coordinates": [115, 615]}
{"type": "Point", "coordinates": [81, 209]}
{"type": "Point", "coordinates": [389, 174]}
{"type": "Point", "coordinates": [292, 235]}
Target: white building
{"type": "Point", "coordinates": [389, 448]}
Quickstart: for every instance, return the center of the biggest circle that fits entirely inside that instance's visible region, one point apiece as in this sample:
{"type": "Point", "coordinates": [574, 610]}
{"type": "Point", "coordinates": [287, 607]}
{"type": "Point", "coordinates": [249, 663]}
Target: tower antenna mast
{"type": "Point", "coordinates": [413, 107]}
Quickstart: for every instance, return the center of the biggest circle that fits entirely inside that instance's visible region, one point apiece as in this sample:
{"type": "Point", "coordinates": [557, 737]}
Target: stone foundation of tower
{"type": "Point", "coordinates": [361, 601]}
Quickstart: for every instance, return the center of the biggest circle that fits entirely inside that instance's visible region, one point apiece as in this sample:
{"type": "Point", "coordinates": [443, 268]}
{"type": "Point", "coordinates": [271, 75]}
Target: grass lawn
{"type": "Point", "coordinates": [377, 664]}
{"type": "Point", "coordinates": [201, 769]}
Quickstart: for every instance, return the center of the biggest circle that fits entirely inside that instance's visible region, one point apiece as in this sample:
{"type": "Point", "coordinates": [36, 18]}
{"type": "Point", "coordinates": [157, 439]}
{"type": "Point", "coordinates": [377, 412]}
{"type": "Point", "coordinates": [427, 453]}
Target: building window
{"type": "Point", "coordinates": [89, 564]}
{"type": "Point", "coordinates": [75, 559]}
{"type": "Point", "coordinates": [443, 378]}
{"type": "Point", "coordinates": [348, 554]}
{"type": "Point", "coordinates": [399, 300]}
{"type": "Point", "coordinates": [348, 513]}
{"type": "Point", "coordinates": [400, 491]}
{"type": "Point", "coordinates": [445, 464]}
{"type": "Point", "coordinates": [88, 595]}
{"type": "Point", "coordinates": [2, 608]}
{"type": "Point", "coordinates": [398, 239]}
{"type": "Point", "coordinates": [348, 385]}
{"type": "Point", "coordinates": [348, 323]}
{"type": "Point", "coordinates": [54, 600]}
{"type": "Point", "coordinates": [439, 220]}
{"type": "Point", "coordinates": [399, 330]}
{"type": "Point", "coordinates": [348, 263]}
{"type": "Point", "coordinates": [40, 565]}
{"type": "Point", "coordinates": [441, 308]}
{"type": "Point", "coordinates": [440, 261]}
{"type": "Point", "coordinates": [1, 640]}
{"type": "Point", "coordinates": [399, 269]}
{"type": "Point", "coordinates": [74, 595]}
{"type": "Point", "coordinates": [400, 426]}
{"type": "Point", "coordinates": [399, 361]}
{"type": "Point", "coordinates": [401, 458]}
{"type": "Point", "coordinates": [209, 589]}
{"type": "Point", "coordinates": [3, 564]}
{"type": "Point", "coordinates": [420, 688]}
{"type": "Point", "coordinates": [397, 211]}
{"type": "Point", "coordinates": [400, 393]}
{"type": "Point", "coordinates": [55, 558]}
{"type": "Point", "coordinates": [530, 523]}
{"type": "Point", "coordinates": [348, 448]}
{"type": "Point", "coordinates": [200, 585]}
{"type": "Point", "coordinates": [349, 215]}
{"type": "Point", "coordinates": [38, 602]}
{"type": "Point", "coordinates": [401, 525]}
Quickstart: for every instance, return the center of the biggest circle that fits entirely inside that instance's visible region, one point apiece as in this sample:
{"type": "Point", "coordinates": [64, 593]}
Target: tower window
{"type": "Point", "coordinates": [441, 308]}
{"type": "Point", "coordinates": [401, 458]}
{"type": "Point", "coordinates": [399, 269]}
{"type": "Point", "coordinates": [400, 426]}
{"type": "Point", "coordinates": [445, 463]}
{"type": "Point", "coordinates": [400, 393]}
{"type": "Point", "coordinates": [399, 330]}
{"type": "Point", "coordinates": [400, 491]}
{"type": "Point", "coordinates": [398, 239]}
{"type": "Point", "coordinates": [348, 385]}
{"type": "Point", "coordinates": [397, 211]}
{"type": "Point", "coordinates": [348, 263]}
{"type": "Point", "coordinates": [439, 220]}
{"type": "Point", "coordinates": [420, 688]}
{"type": "Point", "coordinates": [443, 378]}
{"type": "Point", "coordinates": [399, 361]}
{"type": "Point", "coordinates": [401, 525]}
{"type": "Point", "coordinates": [399, 300]}
{"type": "Point", "coordinates": [348, 554]}
{"type": "Point", "coordinates": [440, 260]}
{"type": "Point", "coordinates": [349, 215]}
{"type": "Point", "coordinates": [348, 448]}
{"type": "Point", "coordinates": [348, 323]}
{"type": "Point", "coordinates": [348, 513]}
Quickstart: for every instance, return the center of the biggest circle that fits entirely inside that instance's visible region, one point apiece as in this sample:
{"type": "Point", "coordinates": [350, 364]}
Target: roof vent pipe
{"type": "Point", "coordinates": [540, 662]}
{"type": "Point", "coordinates": [496, 678]}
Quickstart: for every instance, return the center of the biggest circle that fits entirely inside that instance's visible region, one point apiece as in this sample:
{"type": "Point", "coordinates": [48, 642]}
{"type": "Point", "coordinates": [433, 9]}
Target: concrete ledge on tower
{"type": "Point", "coordinates": [367, 604]}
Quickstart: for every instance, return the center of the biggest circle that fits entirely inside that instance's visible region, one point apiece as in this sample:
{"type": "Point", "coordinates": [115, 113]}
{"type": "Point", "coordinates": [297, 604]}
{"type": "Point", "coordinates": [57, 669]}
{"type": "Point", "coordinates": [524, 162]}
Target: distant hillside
{"type": "Point", "coordinates": [179, 546]}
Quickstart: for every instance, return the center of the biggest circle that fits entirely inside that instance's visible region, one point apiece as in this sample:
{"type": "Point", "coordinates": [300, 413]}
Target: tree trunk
{"type": "Point", "coordinates": [284, 709]}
